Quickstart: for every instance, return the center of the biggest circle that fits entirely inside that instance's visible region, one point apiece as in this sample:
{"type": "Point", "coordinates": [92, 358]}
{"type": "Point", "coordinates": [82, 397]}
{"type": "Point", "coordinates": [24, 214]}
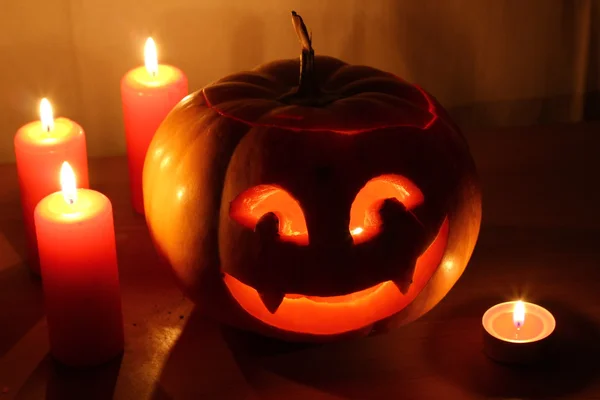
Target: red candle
{"type": "Point", "coordinates": [40, 149]}
{"type": "Point", "coordinates": [148, 94]}
{"type": "Point", "coordinates": [76, 241]}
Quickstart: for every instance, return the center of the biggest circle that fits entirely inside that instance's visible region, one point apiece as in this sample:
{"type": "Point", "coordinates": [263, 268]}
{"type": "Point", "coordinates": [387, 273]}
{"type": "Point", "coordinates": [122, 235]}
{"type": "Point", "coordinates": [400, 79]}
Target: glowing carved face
{"type": "Point", "coordinates": [389, 255]}
{"type": "Point", "coordinates": [229, 159]}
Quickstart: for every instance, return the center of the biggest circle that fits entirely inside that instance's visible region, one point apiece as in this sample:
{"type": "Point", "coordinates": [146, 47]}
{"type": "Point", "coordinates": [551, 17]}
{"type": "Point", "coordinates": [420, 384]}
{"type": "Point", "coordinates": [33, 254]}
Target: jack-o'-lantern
{"type": "Point", "coordinates": [333, 205]}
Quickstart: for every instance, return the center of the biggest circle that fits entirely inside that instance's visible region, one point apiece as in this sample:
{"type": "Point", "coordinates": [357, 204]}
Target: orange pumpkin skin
{"type": "Point", "coordinates": [236, 139]}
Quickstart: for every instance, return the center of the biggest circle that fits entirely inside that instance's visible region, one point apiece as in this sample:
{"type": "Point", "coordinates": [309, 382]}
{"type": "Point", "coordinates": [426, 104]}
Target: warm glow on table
{"type": "Point", "coordinates": [80, 277]}
{"type": "Point", "coordinates": [40, 148]}
{"type": "Point", "coordinates": [148, 94]}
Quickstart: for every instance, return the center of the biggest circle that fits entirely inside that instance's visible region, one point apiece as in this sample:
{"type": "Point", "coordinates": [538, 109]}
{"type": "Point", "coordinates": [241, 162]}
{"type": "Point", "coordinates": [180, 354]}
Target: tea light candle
{"type": "Point", "coordinates": [517, 332]}
{"type": "Point", "coordinates": [80, 278]}
{"type": "Point", "coordinates": [148, 94]}
{"type": "Point", "coordinates": [40, 149]}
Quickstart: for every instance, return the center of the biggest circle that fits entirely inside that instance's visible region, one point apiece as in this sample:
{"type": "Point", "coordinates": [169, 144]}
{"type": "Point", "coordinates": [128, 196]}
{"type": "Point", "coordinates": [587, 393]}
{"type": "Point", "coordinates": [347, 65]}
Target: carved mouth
{"type": "Point", "coordinates": [328, 315]}
{"type": "Point", "coordinates": [346, 298]}
{"type": "Point", "coordinates": [341, 299]}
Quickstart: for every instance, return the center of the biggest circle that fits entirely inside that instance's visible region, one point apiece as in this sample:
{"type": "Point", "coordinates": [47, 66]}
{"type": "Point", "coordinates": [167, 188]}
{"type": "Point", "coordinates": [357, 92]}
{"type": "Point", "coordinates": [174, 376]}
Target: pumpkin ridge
{"type": "Point", "coordinates": [271, 119]}
{"type": "Point", "coordinates": [255, 77]}
{"type": "Point", "coordinates": [360, 72]}
{"type": "Point", "coordinates": [273, 69]}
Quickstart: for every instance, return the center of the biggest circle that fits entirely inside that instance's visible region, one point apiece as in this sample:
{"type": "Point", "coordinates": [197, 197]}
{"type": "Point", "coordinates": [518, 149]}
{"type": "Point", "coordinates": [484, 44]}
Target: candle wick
{"type": "Point", "coordinates": [71, 201]}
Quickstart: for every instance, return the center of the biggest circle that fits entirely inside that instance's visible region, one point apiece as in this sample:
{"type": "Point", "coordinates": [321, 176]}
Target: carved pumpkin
{"type": "Point", "coordinates": [310, 211]}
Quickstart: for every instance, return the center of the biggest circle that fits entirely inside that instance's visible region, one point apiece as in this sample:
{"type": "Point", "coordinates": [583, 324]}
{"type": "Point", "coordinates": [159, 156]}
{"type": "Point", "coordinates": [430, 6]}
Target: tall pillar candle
{"type": "Point", "coordinates": [40, 149]}
{"type": "Point", "coordinates": [80, 277]}
{"type": "Point", "coordinates": [148, 94]}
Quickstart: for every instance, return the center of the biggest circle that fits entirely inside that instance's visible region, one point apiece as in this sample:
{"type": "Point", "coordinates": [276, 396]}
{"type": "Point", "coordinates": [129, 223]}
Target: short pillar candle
{"type": "Point", "coordinates": [79, 271]}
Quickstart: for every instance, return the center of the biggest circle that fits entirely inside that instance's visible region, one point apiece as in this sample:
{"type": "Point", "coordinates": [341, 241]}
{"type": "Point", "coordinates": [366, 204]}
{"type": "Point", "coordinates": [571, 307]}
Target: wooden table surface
{"type": "Point", "coordinates": [174, 353]}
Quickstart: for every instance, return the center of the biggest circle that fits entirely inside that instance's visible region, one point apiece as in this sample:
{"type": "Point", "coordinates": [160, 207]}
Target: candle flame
{"type": "Point", "coordinates": [68, 183]}
{"type": "Point", "coordinates": [519, 314]}
{"type": "Point", "coordinates": [151, 57]}
{"type": "Point", "coordinates": [357, 231]}
{"type": "Point", "coordinates": [46, 115]}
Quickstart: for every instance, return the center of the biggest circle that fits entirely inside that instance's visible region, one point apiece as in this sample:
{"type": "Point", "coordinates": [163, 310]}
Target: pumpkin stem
{"type": "Point", "coordinates": [307, 85]}
{"type": "Point", "coordinates": [308, 92]}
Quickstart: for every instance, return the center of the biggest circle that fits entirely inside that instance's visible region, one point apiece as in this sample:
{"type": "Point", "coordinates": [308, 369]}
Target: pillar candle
{"type": "Point", "coordinates": [148, 94]}
{"type": "Point", "coordinates": [40, 149]}
{"type": "Point", "coordinates": [80, 278]}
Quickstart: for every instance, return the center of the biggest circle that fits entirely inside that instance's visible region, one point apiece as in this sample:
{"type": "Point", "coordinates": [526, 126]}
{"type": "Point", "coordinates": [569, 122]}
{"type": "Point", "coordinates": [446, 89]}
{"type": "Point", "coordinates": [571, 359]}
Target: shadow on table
{"type": "Point", "coordinates": [573, 362]}
{"type": "Point", "coordinates": [214, 361]}
{"type": "Point", "coordinates": [273, 371]}
{"type": "Point", "coordinates": [15, 234]}
{"type": "Point", "coordinates": [65, 383]}
{"type": "Point", "coordinates": [200, 365]}
{"type": "Point", "coordinates": [22, 307]}
{"type": "Point", "coordinates": [96, 383]}
{"type": "Point", "coordinates": [250, 345]}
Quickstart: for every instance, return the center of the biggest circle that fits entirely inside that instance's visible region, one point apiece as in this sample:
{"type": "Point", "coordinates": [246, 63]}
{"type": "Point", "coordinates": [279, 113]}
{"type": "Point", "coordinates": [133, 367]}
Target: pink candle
{"type": "Point", "coordinates": [78, 257]}
{"type": "Point", "coordinates": [40, 149]}
{"type": "Point", "coordinates": [148, 94]}
{"type": "Point", "coordinates": [517, 332]}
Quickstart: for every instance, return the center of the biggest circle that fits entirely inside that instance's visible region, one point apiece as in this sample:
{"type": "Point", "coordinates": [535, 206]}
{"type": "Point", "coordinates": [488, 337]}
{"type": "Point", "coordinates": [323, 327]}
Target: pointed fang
{"type": "Point", "coordinates": [272, 300]}
{"type": "Point", "coordinates": [403, 285]}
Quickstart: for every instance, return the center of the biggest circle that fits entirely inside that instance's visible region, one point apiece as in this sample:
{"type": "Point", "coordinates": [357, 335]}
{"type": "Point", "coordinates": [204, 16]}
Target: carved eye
{"type": "Point", "coordinates": [252, 204]}
{"type": "Point", "coordinates": [365, 220]}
